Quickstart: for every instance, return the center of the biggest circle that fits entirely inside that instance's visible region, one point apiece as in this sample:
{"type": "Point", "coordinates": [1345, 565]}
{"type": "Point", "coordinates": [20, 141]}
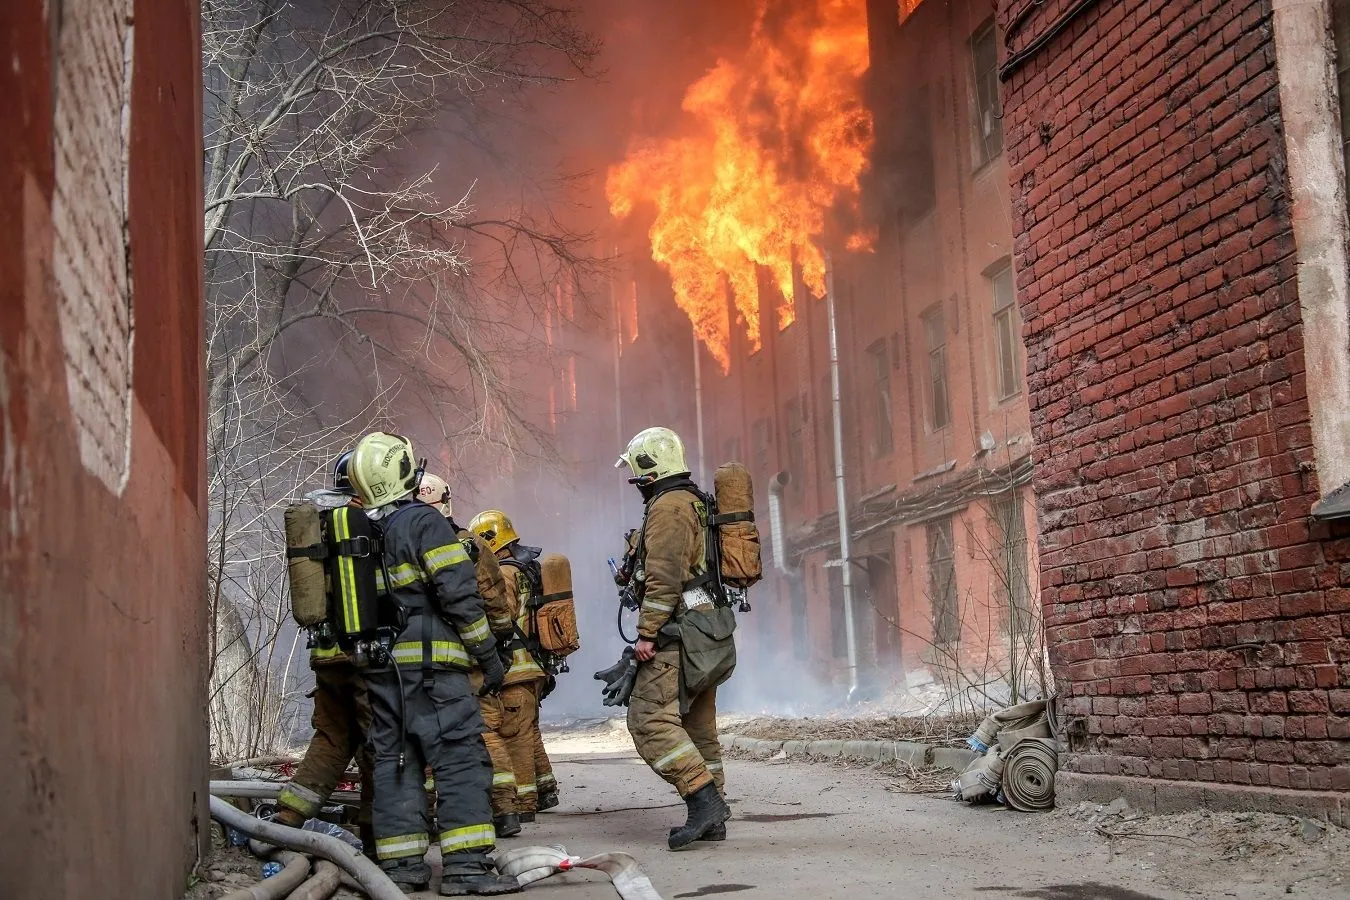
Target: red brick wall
{"type": "Point", "coordinates": [1197, 619]}
{"type": "Point", "coordinates": [102, 610]}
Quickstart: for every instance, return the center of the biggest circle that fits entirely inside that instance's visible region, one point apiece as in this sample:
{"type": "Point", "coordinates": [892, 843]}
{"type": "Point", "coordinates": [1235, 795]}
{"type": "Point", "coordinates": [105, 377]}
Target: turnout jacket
{"type": "Point", "coordinates": [672, 552]}
{"type": "Point", "coordinates": [430, 575]}
{"type": "Point", "coordinates": [492, 585]}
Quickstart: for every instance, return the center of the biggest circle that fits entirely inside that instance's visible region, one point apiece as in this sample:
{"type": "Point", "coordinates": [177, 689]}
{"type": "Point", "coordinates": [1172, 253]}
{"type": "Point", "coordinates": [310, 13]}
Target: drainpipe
{"type": "Point", "coordinates": [776, 539]}
{"type": "Point", "coordinates": [841, 494]}
{"type": "Point", "coordinates": [698, 405]}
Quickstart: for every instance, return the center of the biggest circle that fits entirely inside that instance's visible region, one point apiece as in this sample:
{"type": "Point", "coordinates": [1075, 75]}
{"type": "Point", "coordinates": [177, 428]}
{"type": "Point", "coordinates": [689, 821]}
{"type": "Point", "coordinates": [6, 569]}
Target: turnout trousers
{"type": "Point", "coordinates": [520, 731]}
{"type": "Point", "coordinates": [442, 729]}
{"type": "Point", "coordinates": [341, 721]}
{"type": "Point", "coordinates": [503, 770]}
{"type": "Point", "coordinates": [682, 749]}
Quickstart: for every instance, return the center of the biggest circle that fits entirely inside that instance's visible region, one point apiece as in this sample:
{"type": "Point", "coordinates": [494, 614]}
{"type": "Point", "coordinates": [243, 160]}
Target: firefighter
{"type": "Point", "coordinates": [527, 680]}
{"type": "Point", "coordinates": [673, 722]}
{"type": "Point", "coordinates": [424, 712]}
{"type": "Point", "coordinates": [498, 603]}
{"type": "Point", "coordinates": [341, 716]}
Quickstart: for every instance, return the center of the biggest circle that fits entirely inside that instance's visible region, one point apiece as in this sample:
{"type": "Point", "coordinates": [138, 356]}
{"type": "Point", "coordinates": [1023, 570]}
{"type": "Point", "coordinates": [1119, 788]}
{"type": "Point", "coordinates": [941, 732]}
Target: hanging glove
{"type": "Point", "coordinates": [494, 673]}
{"type": "Point", "coordinates": [616, 671]}
{"type": "Point", "coordinates": [617, 694]}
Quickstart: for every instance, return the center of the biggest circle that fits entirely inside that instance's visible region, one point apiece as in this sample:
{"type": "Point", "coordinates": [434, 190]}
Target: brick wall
{"type": "Point", "coordinates": [1199, 623]}
{"type": "Point", "coordinates": [102, 597]}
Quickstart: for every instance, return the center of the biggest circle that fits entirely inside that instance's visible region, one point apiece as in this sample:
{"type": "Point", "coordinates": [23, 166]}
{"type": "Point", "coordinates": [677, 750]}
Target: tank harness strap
{"type": "Point", "coordinates": [728, 518]}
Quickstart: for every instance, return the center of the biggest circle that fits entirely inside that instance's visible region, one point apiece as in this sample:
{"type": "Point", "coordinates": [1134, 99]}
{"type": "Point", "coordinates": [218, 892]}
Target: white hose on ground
{"type": "Point", "coordinates": [254, 790]}
{"type": "Point", "coordinates": [295, 870]}
{"type": "Point", "coordinates": [373, 881]}
{"type": "Point", "coordinates": [321, 885]}
{"type": "Point", "coordinates": [530, 864]}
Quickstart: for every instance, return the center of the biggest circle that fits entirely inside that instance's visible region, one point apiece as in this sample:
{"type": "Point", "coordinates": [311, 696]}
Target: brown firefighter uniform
{"type": "Point", "coordinates": [341, 721]}
{"type": "Point", "coordinates": [498, 605]}
{"type": "Point", "coordinates": [520, 698]}
{"type": "Point", "coordinates": [681, 747]}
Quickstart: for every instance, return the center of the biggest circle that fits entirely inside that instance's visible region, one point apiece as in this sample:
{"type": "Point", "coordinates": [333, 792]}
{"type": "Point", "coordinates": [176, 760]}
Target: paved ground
{"type": "Point", "coordinates": [814, 831]}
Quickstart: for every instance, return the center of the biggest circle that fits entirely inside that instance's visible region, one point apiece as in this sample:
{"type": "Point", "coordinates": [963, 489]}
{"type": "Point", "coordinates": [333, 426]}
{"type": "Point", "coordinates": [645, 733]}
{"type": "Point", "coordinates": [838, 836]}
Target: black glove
{"type": "Point", "coordinates": [494, 673]}
{"type": "Point", "coordinates": [617, 694]}
{"type": "Point", "coordinates": [550, 685]}
{"type": "Point", "coordinates": [616, 671]}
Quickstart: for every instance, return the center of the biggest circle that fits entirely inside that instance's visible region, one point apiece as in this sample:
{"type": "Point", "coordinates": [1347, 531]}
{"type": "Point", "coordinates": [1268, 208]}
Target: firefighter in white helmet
{"type": "Point", "coordinates": [424, 710]}
{"type": "Point", "coordinates": [674, 724]}
{"type": "Point", "coordinates": [498, 604]}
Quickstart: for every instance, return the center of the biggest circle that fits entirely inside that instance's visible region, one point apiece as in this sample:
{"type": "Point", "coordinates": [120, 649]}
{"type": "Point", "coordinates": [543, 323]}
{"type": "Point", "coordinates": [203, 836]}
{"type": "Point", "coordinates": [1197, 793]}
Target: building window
{"type": "Point", "coordinates": [796, 450]}
{"type": "Point", "coordinates": [825, 424]}
{"type": "Point", "coordinates": [1008, 531]}
{"type": "Point", "coordinates": [1007, 336]}
{"type": "Point", "coordinates": [942, 582]}
{"type": "Point", "coordinates": [761, 436]}
{"type": "Point", "coordinates": [834, 580]}
{"type": "Point", "coordinates": [988, 109]}
{"type": "Point", "coordinates": [882, 440]}
{"type": "Point", "coordinates": [939, 402]}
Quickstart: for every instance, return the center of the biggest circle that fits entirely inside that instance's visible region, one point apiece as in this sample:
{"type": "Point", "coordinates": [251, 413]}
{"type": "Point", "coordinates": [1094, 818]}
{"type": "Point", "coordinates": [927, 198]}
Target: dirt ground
{"type": "Point", "coordinates": [849, 830]}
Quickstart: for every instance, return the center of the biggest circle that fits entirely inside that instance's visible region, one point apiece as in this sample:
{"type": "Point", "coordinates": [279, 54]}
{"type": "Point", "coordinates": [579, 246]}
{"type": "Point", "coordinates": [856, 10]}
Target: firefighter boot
{"type": "Point", "coordinates": [470, 872]}
{"type": "Point", "coordinates": [548, 799]}
{"type": "Point", "coordinates": [507, 825]}
{"type": "Point", "coordinates": [706, 809]}
{"type": "Point", "coordinates": [715, 834]}
{"type": "Point", "coordinates": [410, 874]}
{"type": "Point", "coordinates": [289, 817]}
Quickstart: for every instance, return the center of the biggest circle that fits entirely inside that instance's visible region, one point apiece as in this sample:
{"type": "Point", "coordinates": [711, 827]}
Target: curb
{"type": "Point", "coordinates": [915, 754]}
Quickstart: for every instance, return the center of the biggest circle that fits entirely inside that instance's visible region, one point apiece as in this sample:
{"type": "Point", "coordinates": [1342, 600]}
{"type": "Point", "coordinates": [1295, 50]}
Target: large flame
{"type": "Point", "coordinates": [771, 144]}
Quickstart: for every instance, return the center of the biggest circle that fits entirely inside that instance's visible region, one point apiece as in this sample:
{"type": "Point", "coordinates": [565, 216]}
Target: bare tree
{"type": "Point", "coordinates": [338, 271]}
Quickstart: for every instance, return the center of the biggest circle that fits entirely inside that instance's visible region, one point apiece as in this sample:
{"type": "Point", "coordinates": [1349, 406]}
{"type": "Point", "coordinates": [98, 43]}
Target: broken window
{"type": "Point", "coordinates": [988, 108]}
{"type": "Point", "coordinates": [1008, 531]}
{"type": "Point", "coordinates": [1007, 336]}
{"type": "Point", "coordinates": [882, 439]}
{"type": "Point", "coordinates": [942, 582]}
{"type": "Point", "coordinates": [939, 403]}
{"type": "Point", "coordinates": [838, 627]}
{"type": "Point", "coordinates": [761, 437]}
{"type": "Point", "coordinates": [793, 421]}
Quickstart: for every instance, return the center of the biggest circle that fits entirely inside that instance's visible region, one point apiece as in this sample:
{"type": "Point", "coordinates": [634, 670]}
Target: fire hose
{"type": "Point", "coordinates": [530, 864]}
{"type": "Point", "coordinates": [373, 881]}
{"type": "Point", "coordinates": [1029, 774]}
{"type": "Point", "coordinates": [280, 885]}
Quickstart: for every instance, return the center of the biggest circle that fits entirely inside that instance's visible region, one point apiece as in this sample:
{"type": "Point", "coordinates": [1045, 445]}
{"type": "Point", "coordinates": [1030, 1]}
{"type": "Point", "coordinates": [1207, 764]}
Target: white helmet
{"type": "Point", "coordinates": [435, 492]}
{"type": "Point", "coordinates": [654, 453]}
{"type": "Point", "coordinates": [383, 469]}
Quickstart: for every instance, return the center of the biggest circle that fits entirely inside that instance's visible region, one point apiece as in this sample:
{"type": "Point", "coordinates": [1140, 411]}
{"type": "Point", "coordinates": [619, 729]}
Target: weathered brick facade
{"type": "Point", "coordinates": [1198, 619]}
{"type": "Point", "coordinates": [103, 735]}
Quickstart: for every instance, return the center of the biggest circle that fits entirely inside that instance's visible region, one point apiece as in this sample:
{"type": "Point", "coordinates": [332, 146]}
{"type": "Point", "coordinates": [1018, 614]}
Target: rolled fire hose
{"type": "Point", "coordinates": [295, 870]}
{"type": "Point", "coordinates": [981, 777]}
{"type": "Point", "coordinates": [1010, 737]}
{"type": "Point", "coordinates": [321, 885]}
{"type": "Point", "coordinates": [1023, 715]}
{"type": "Point", "coordinates": [373, 881]}
{"type": "Point", "coordinates": [530, 864]}
{"type": "Point", "coordinates": [1029, 774]}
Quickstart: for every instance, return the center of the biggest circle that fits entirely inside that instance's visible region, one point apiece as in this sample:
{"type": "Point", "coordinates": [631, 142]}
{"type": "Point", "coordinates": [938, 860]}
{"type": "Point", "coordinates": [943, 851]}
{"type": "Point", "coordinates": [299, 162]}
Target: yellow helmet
{"type": "Point", "coordinates": [434, 492]}
{"type": "Point", "coordinates": [493, 526]}
{"type": "Point", "coordinates": [382, 469]}
{"type": "Point", "coordinates": [654, 453]}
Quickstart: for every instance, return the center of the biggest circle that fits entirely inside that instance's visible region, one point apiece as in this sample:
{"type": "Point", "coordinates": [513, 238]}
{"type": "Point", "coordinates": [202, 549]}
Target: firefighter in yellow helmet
{"type": "Point", "coordinates": [683, 619]}
{"type": "Point", "coordinates": [528, 679]}
{"type": "Point", "coordinates": [424, 710]}
{"type": "Point", "coordinates": [498, 602]}
{"type": "Point", "coordinates": [341, 716]}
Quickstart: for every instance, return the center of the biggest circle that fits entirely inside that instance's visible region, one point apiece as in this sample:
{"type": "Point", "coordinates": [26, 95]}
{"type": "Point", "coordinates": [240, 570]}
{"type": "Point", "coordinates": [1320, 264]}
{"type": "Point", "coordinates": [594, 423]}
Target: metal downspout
{"type": "Point", "coordinates": [841, 494]}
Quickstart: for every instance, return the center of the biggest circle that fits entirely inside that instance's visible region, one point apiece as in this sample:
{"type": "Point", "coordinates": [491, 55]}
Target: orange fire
{"type": "Point", "coordinates": [771, 144]}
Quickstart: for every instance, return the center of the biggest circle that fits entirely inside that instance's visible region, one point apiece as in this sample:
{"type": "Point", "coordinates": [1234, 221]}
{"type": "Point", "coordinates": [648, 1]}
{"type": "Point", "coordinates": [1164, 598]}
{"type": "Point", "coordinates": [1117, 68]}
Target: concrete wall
{"type": "Point", "coordinates": [102, 666]}
{"type": "Point", "coordinates": [1197, 616]}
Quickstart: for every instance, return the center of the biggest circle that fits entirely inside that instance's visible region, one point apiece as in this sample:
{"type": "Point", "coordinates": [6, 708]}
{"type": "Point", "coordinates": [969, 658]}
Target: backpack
{"type": "Point", "coordinates": [334, 557]}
